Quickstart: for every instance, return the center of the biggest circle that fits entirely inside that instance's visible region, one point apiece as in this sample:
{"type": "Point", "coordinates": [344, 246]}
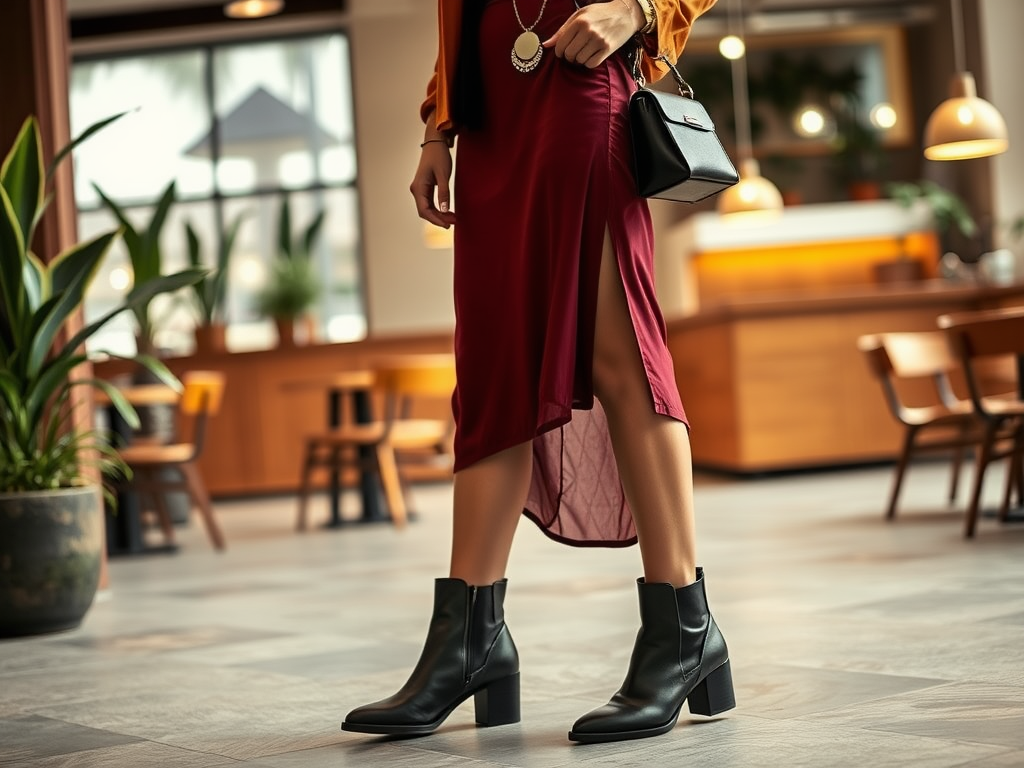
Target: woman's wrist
{"type": "Point", "coordinates": [636, 13]}
{"type": "Point", "coordinates": [648, 15]}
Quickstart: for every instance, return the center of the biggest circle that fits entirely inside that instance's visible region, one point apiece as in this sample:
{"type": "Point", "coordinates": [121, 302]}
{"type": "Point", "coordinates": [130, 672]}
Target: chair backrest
{"type": "Point", "coordinates": [407, 378]}
{"type": "Point", "coordinates": [987, 334]}
{"type": "Point", "coordinates": [901, 361]}
{"type": "Point", "coordinates": [909, 355]}
{"type": "Point", "coordinates": [204, 391]}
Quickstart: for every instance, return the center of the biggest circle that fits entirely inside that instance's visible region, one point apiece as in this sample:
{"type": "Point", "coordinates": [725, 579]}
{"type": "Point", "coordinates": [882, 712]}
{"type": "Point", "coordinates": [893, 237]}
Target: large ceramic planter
{"type": "Point", "coordinates": [50, 548]}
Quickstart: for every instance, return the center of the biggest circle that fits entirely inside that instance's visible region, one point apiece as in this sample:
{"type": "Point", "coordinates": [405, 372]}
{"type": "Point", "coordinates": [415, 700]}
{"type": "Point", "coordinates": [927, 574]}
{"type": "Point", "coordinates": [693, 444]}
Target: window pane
{"type": "Point", "coordinates": [284, 114]}
{"type": "Point", "coordinates": [174, 316]}
{"type": "Point", "coordinates": [133, 159]}
{"type": "Point", "coordinates": [339, 314]}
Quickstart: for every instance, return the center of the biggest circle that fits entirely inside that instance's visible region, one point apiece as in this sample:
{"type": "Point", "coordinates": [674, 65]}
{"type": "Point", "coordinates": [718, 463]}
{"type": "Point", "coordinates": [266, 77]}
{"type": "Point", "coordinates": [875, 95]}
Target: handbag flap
{"type": "Point", "coordinates": [678, 109]}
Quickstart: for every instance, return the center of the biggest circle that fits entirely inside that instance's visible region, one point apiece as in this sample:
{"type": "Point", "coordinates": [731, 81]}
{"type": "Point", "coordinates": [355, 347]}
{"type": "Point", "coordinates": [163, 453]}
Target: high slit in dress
{"type": "Point", "coordinates": [535, 191]}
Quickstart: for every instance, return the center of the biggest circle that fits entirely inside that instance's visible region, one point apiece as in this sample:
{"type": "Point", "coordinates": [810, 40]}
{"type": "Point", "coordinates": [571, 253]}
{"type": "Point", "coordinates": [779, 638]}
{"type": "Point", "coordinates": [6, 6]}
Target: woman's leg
{"type": "Point", "coordinates": [489, 500]}
{"type": "Point", "coordinates": [652, 451]}
{"type": "Point", "coordinates": [679, 654]}
{"type": "Point", "coordinates": [468, 650]}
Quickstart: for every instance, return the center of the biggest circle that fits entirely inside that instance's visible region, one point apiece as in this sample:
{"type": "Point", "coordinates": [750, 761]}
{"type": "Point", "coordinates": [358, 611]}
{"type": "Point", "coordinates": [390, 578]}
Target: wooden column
{"type": "Point", "coordinates": [35, 61]}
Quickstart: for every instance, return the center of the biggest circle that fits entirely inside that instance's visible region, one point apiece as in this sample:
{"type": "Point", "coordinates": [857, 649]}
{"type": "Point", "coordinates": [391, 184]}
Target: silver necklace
{"type": "Point", "coordinates": [527, 51]}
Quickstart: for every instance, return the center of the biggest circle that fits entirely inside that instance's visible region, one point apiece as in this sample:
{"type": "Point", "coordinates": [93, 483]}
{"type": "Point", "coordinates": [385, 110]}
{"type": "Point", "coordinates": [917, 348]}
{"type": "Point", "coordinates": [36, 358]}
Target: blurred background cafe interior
{"type": "Point", "coordinates": [854, 303]}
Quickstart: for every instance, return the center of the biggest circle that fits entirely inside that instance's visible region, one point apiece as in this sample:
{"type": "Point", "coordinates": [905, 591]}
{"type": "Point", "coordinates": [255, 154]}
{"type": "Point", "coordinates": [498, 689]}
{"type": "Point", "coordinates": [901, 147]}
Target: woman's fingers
{"type": "Point", "coordinates": [431, 179]}
{"type": "Point", "coordinates": [592, 34]}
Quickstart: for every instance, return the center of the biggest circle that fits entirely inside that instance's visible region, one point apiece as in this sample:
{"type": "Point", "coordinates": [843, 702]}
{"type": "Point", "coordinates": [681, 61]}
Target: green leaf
{"type": "Point", "coordinates": [284, 228]}
{"type": "Point", "coordinates": [12, 256]}
{"type": "Point", "coordinates": [117, 399]}
{"type": "Point", "coordinates": [36, 281]}
{"type": "Point", "coordinates": [312, 232]}
{"type": "Point", "coordinates": [149, 263]}
{"type": "Point", "coordinates": [85, 257]}
{"type": "Point", "coordinates": [82, 137]}
{"type": "Point", "coordinates": [22, 176]}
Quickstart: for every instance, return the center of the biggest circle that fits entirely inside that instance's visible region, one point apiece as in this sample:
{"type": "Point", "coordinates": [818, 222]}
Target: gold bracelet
{"type": "Point", "coordinates": [435, 141]}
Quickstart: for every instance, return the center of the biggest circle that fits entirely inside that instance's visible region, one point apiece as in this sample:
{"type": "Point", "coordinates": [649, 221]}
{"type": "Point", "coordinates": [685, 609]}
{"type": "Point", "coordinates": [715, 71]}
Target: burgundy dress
{"type": "Point", "coordinates": [535, 191]}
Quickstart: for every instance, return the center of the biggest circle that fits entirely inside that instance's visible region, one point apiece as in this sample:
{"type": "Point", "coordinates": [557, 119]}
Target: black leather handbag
{"type": "Point", "coordinates": [676, 153]}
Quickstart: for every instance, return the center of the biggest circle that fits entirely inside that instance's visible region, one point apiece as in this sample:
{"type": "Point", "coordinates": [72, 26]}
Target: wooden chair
{"type": "Point", "coordinates": [200, 400]}
{"type": "Point", "coordinates": [978, 338]}
{"type": "Point", "coordinates": [949, 423]}
{"type": "Point", "coordinates": [377, 446]}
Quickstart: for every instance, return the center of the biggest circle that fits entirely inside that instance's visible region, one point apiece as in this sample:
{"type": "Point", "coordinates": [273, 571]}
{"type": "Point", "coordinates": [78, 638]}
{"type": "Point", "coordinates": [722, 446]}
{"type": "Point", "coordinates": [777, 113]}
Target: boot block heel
{"type": "Point", "coordinates": [498, 703]}
{"type": "Point", "coordinates": [714, 694]}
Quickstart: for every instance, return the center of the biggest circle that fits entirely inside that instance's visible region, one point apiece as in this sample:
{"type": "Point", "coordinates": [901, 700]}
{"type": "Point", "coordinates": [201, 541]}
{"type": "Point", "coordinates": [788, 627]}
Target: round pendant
{"type": "Point", "coordinates": [527, 52]}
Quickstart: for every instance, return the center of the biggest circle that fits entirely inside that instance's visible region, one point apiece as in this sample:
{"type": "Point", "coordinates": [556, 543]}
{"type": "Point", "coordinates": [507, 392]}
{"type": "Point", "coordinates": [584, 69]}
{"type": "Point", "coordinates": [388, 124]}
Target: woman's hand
{"type": "Point", "coordinates": [596, 31]}
{"type": "Point", "coordinates": [433, 175]}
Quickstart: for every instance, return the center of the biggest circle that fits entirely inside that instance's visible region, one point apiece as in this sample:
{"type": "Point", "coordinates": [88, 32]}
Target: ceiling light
{"type": "Point", "coordinates": [753, 192]}
{"type": "Point", "coordinates": [963, 126]}
{"type": "Point", "coordinates": [732, 47]}
{"type": "Point", "coordinates": [883, 115]}
{"type": "Point", "coordinates": [252, 9]}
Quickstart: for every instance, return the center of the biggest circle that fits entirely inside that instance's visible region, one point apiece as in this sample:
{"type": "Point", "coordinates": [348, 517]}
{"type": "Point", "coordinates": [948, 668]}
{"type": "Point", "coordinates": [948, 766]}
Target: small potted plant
{"type": "Point", "coordinates": [51, 516]}
{"type": "Point", "coordinates": [292, 287]}
{"type": "Point", "coordinates": [948, 212]}
{"type": "Point", "coordinates": [146, 256]}
{"type": "Point", "coordinates": [210, 293]}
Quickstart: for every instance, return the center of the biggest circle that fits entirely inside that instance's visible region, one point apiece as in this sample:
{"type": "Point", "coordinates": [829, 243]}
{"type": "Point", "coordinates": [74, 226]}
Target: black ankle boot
{"type": "Point", "coordinates": [468, 652]}
{"type": "Point", "coordinates": [679, 655]}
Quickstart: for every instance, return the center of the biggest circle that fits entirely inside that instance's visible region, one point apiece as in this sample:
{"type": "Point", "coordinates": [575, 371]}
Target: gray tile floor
{"type": "Point", "coordinates": [854, 642]}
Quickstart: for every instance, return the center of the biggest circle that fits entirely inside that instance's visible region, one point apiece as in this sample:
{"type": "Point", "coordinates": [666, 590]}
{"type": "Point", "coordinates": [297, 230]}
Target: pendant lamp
{"type": "Point", "coordinates": [252, 9]}
{"type": "Point", "coordinates": [963, 126]}
{"type": "Point", "coordinates": [753, 193]}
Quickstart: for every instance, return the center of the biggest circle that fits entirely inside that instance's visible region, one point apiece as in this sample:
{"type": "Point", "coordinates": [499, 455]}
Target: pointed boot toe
{"type": "Point", "coordinates": [679, 656]}
{"type": "Point", "coordinates": [468, 652]}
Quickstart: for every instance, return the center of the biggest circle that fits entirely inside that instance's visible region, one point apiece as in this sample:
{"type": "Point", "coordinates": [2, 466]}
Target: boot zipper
{"type": "Point", "coordinates": [470, 604]}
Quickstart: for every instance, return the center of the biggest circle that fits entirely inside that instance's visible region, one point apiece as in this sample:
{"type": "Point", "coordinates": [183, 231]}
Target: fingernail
{"type": "Point", "coordinates": [444, 207]}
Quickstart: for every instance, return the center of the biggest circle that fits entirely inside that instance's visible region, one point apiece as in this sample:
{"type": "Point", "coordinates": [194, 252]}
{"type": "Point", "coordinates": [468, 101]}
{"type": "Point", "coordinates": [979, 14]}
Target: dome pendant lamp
{"type": "Point", "coordinates": [753, 193]}
{"type": "Point", "coordinates": [963, 126]}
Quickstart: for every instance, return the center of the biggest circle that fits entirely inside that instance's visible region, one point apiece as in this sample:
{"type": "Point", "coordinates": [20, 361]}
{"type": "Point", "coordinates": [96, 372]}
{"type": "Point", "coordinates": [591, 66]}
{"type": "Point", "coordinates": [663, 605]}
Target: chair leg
{"type": "Point", "coordinates": [901, 468]}
{"type": "Point", "coordinates": [984, 457]}
{"type": "Point", "coordinates": [197, 490]}
{"type": "Point", "coordinates": [160, 504]}
{"type": "Point", "coordinates": [307, 473]}
{"type": "Point", "coordinates": [954, 482]}
{"type": "Point", "coordinates": [1012, 475]}
{"type": "Point", "coordinates": [389, 479]}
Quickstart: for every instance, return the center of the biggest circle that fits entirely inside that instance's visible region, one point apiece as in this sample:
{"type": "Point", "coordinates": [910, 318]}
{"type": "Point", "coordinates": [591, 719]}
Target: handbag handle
{"type": "Point", "coordinates": [684, 88]}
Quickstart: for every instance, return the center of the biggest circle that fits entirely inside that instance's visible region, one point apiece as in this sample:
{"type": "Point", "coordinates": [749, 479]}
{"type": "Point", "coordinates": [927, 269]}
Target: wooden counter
{"type": "Point", "coordinates": [255, 444]}
{"type": "Point", "coordinates": [778, 383]}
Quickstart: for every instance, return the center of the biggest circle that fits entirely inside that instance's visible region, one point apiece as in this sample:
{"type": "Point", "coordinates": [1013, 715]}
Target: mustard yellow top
{"type": "Point", "coordinates": [675, 17]}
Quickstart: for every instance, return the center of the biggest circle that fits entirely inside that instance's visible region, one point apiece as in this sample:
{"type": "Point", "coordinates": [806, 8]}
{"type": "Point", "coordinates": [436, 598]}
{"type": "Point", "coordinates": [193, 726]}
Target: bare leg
{"type": "Point", "coordinates": [652, 451]}
{"type": "Point", "coordinates": [489, 499]}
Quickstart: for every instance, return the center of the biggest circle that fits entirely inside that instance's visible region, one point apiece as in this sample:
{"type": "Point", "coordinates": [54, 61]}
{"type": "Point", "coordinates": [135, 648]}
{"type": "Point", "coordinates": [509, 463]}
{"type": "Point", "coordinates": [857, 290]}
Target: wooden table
{"type": "Point", "coordinates": [356, 385]}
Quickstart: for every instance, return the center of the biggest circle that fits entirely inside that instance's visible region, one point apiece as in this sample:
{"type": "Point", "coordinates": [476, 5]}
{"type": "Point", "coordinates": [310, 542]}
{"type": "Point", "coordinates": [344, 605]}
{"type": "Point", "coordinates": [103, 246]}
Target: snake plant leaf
{"type": "Point", "coordinates": [84, 259]}
{"type": "Point", "coordinates": [312, 233]}
{"type": "Point", "coordinates": [147, 265]}
{"type": "Point", "coordinates": [65, 151]}
{"type": "Point", "coordinates": [117, 399]}
{"type": "Point", "coordinates": [35, 281]}
{"type": "Point", "coordinates": [12, 250]}
{"type": "Point", "coordinates": [139, 295]}
{"type": "Point", "coordinates": [52, 380]}
{"type": "Point", "coordinates": [22, 176]}
{"type": "Point", "coordinates": [284, 228]}
{"type": "Point", "coordinates": [157, 368]}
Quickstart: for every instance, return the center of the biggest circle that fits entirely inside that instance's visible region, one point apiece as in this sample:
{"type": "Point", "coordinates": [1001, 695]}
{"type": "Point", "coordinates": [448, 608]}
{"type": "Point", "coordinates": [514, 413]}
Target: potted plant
{"type": "Point", "coordinates": [50, 516]}
{"type": "Point", "coordinates": [292, 288]}
{"type": "Point", "coordinates": [210, 293]}
{"type": "Point", "coordinates": [144, 252]}
{"type": "Point", "coordinates": [947, 211]}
